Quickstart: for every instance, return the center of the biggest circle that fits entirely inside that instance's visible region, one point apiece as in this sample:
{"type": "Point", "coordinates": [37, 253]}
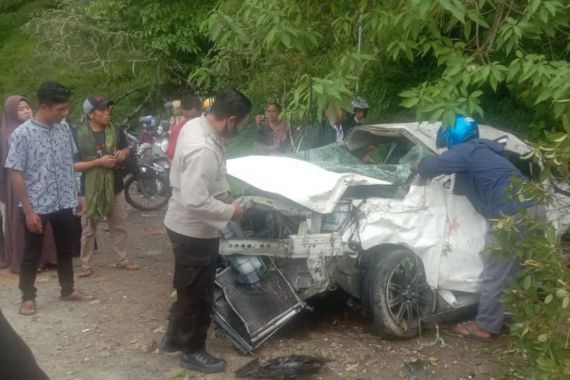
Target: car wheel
{"type": "Point", "coordinates": [147, 192]}
{"type": "Point", "coordinates": [395, 293]}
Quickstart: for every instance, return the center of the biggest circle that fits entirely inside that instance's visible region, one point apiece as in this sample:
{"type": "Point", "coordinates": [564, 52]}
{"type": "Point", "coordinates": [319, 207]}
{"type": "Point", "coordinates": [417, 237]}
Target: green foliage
{"type": "Point", "coordinates": [109, 47]}
{"type": "Point", "coordinates": [285, 50]}
{"type": "Point", "coordinates": [480, 45]}
{"type": "Point", "coordinates": [540, 300]}
{"type": "Point", "coordinates": [17, 48]}
{"type": "Point", "coordinates": [458, 56]}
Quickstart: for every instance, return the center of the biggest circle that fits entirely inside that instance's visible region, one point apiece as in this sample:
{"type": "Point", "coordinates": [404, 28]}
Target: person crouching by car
{"type": "Point", "coordinates": [484, 175]}
{"type": "Point", "coordinates": [102, 147]}
{"type": "Point", "coordinates": [199, 209]}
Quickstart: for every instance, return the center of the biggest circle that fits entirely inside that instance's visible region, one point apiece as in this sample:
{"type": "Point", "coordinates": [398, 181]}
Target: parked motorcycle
{"type": "Point", "coordinates": [147, 186]}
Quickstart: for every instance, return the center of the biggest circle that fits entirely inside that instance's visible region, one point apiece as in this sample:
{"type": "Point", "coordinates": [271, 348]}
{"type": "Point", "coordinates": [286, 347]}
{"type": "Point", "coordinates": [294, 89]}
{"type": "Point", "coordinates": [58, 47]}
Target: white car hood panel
{"type": "Point", "coordinates": [299, 181]}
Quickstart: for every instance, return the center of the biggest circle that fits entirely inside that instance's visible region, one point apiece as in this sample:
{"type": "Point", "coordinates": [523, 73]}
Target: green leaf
{"type": "Point", "coordinates": [454, 70]}
{"type": "Point", "coordinates": [409, 102]}
{"type": "Point", "coordinates": [561, 293]}
{"type": "Point", "coordinates": [456, 8]}
{"type": "Point", "coordinates": [476, 94]}
{"type": "Point", "coordinates": [407, 94]}
{"type": "Point", "coordinates": [286, 39]}
{"type": "Point", "coordinates": [542, 338]}
{"type": "Point", "coordinates": [493, 82]}
{"type": "Point", "coordinates": [548, 299]}
{"type": "Point", "coordinates": [467, 30]}
{"type": "Point", "coordinates": [477, 18]}
{"type": "Point", "coordinates": [527, 282]}
{"type": "Point", "coordinates": [565, 302]}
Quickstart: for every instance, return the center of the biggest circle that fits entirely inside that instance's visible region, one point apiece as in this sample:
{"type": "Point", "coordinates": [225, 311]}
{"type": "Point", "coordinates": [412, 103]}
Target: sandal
{"type": "Point", "coordinates": [126, 265]}
{"type": "Point", "coordinates": [471, 330]}
{"type": "Point", "coordinates": [28, 308]}
{"type": "Point", "coordinates": [77, 297]}
{"type": "Point", "coordinates": [86, 272]}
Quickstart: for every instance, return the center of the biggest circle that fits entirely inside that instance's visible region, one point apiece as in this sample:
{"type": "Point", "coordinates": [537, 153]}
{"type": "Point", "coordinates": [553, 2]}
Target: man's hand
{"type": "Point", "coordinates": [108, 161]}
{"type": "Point", "coordinates": [238, 210]}
{"type": "Point", "coordinates": [121, 155]}
{"type": "Point", "coordinates": [415, 166]}
{"type": "Point", "coordinates": [80, 206]}
{"type": "Point", "coordinates": [34, 223]}
{"type": "Point", "coordinates": [259, 119]}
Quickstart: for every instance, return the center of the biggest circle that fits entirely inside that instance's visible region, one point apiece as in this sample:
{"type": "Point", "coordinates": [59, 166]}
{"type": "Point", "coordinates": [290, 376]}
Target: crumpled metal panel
{"type": "Point", "coordinates": [300, 181]}
{"type": "Point", "coordinates": [449, 247]}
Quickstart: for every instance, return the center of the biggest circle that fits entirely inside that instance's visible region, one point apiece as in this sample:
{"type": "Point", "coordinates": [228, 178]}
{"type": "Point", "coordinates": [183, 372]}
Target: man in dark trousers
{"type": "Point", "coordinates": [199, 208]}
{"type": "Point", "coordinates": [484, 175]}
{"type": "Point", "coordinates": [40, 160]}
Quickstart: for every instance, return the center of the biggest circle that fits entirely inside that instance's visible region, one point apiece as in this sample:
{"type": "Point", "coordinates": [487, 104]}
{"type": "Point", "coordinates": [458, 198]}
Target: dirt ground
{"type": "Point", "coordinates": [115, 336]}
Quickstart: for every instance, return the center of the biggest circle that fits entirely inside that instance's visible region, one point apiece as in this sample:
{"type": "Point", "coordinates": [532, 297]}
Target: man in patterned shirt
{"type": "Point", "coordinates": [40, 160]}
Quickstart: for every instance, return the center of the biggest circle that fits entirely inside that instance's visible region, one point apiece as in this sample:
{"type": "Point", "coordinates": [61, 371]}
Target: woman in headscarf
{"type": "Point", "coordinates": [17, 109]}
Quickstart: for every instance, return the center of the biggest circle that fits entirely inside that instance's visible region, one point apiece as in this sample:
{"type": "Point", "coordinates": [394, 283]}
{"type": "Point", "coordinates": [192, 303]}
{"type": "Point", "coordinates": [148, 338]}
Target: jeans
{"type": "Point", "coordinates": [498, 271]}
{"type": "Point", "coordinates": [62, 225]}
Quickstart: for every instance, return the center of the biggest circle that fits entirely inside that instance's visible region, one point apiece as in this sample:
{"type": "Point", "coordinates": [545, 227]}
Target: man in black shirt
{"type": "Point", "coordinates": [102, 148]}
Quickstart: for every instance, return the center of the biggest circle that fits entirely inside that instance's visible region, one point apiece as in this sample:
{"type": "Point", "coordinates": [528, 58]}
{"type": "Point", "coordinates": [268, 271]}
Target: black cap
{"type": "Point", "coordinates": [96, 103]}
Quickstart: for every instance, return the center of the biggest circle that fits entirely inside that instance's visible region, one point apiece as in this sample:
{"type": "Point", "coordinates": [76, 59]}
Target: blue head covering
{"type": "Point", "coordinates": [464, 129]}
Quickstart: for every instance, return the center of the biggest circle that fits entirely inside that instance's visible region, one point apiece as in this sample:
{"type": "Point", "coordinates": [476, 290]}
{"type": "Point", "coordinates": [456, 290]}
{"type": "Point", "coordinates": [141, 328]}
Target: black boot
{"type": "Point", "coordinates": [202, 361]}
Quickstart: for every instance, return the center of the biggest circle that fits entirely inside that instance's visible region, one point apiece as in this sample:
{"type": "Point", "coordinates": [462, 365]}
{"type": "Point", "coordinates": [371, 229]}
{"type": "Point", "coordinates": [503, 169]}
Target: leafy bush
{"type": "Point", "coordinates": [540, 298]}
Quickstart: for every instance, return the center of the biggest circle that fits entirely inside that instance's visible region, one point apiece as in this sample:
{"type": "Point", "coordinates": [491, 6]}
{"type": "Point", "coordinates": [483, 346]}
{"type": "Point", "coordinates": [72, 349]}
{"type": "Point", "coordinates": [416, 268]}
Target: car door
{"type": "Point", "coordinates": [465, 230]}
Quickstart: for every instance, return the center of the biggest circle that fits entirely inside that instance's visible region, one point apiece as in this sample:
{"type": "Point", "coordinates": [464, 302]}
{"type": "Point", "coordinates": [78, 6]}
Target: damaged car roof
{"type": "Point", "coordinates": [302, 182]}
{"type": "Point", "coordinates": [425, 133]}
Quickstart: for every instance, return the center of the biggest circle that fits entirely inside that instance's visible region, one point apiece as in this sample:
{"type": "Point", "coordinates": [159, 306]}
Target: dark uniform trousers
{"type": "Point", "coordinates": [194, 275]}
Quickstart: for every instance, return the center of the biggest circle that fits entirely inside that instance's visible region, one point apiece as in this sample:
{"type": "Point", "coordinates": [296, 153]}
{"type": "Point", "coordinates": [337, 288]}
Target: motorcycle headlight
{"type": "Point", "coordinates": [164, 145]}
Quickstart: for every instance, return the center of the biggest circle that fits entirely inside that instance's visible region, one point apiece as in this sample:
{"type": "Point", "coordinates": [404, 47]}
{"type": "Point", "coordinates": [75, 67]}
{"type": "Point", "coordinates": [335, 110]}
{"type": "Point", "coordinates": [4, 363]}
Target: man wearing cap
{"type": "Point", "coordinates": [102, 147]}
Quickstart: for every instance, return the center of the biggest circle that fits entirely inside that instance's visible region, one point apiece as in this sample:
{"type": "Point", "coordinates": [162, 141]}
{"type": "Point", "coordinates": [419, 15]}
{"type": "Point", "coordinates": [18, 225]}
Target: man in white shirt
{"type": "Point", "coordinates": [199, 208]}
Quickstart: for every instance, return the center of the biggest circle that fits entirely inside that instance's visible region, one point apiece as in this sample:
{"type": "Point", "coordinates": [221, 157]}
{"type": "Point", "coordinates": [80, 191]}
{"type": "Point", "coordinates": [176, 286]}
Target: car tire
{"type": "Point", "coordinates": [395, 294]}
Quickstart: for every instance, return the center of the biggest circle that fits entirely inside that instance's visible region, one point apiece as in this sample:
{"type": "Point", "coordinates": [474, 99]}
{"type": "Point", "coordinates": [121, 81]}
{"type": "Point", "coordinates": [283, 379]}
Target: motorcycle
{"type": "Point", "coordinates": [147, 187]}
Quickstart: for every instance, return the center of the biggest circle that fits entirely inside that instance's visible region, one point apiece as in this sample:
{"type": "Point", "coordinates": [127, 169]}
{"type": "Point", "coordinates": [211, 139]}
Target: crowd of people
{"type": "Point", "coordinates": [54, 176]}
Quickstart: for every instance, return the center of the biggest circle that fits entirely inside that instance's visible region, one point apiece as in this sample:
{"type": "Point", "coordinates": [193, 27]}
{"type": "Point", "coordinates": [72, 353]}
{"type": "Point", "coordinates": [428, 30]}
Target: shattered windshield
{"type": "Point", "coordinates": [387, 158]}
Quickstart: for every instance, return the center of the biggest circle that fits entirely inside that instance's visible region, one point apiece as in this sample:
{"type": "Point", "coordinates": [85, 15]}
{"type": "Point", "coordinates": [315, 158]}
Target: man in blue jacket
{"type": "Point", "coordinates": [484, 175]}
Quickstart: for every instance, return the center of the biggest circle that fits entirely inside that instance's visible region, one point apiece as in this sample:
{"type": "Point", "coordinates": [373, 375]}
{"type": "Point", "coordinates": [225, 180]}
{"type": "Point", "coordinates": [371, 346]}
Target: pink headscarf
{"type": "Point", "coordinates": [9, 123]}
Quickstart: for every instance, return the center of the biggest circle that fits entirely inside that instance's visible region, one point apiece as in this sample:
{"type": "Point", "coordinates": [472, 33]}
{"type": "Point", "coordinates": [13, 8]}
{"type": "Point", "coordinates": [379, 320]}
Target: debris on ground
{"type": "Point", "coordinates": [417, 365]}
{"type": "Point", "coordinates": [284, 367]}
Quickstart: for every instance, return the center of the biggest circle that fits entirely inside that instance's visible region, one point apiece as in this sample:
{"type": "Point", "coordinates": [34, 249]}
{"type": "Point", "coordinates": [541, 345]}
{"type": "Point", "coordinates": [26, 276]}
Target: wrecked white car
{"type": "Point", "coordinates": [352, 216]}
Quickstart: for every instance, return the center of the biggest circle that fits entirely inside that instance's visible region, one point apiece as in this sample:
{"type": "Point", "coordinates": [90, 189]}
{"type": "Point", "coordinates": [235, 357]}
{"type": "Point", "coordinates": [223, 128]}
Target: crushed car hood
{"type": "Point", "coordinates": [299, 181]}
